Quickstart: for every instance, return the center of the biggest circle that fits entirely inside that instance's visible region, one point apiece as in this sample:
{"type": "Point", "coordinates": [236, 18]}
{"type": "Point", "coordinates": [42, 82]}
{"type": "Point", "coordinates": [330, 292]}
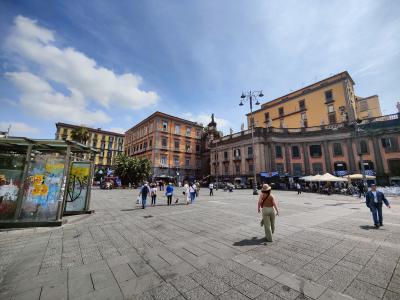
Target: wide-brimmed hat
{"type": "Point", "coordinates": [265, 188]}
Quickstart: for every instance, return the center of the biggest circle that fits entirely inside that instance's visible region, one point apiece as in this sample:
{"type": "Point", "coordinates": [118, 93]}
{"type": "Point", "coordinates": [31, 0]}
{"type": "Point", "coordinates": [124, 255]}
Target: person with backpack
{"type": "Point", "coordinates": [169, 192]}
{"type": "Point", "coordinates": [153, 194]}
{"type": "Point", "coordinates": [267, 204]}
{"type": "Point", "coordinates": [144, 191]}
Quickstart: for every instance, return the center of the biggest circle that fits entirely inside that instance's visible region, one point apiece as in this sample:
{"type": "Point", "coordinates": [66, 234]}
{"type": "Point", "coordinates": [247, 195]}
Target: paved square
{"type": "Point", "coordinates": [324, 248]}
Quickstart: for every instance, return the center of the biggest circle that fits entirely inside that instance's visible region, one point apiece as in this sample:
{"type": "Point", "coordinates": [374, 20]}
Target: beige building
{"type": "Point", "coordinates": [172, 144]}
{"type": "Point", "coordinates": [305, 151]}
{"type": "Point", "coordinates": [109, 144]}
{"type": "Point", "coordinates": [368, 107]}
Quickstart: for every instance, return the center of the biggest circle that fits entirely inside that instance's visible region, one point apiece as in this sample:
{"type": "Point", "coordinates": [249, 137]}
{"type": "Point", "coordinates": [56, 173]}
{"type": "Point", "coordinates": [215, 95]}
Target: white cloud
{"type": "Point", "coordinates": [17, 128]}
{"type": "Point", "coordinates": [204, 118]}
{"type": "Point", "coordinates": [85, 80]}
{"type": "Point", "coordinates": [117, 129]}
{"type": "Point", "coordinates": [40, 99]}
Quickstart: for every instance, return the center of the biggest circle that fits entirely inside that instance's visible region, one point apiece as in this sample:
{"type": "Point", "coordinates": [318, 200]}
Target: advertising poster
{"type": "Point", "coordinates": [78, 186]}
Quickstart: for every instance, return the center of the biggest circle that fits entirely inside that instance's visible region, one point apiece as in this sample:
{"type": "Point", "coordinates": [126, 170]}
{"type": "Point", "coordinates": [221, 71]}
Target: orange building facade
{"type": "Point", "coordinates": [172, 144]}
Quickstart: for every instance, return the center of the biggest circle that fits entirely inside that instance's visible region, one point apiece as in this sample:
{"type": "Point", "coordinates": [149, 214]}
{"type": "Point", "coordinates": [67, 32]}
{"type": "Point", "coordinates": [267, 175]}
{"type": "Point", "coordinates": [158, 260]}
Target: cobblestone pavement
{"type": "Point", "coordinates": [324, 248]}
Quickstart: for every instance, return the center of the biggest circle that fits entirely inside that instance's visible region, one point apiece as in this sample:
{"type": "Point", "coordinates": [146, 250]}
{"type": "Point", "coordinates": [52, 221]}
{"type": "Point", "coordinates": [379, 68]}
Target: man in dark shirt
{"type": "Point", "coordinates": [374, 200]}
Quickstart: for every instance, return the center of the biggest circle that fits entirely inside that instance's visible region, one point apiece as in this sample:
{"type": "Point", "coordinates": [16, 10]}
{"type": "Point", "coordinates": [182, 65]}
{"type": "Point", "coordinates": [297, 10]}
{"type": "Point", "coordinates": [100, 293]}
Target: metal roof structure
{"type": "Point", "coordinates": [44, 145]}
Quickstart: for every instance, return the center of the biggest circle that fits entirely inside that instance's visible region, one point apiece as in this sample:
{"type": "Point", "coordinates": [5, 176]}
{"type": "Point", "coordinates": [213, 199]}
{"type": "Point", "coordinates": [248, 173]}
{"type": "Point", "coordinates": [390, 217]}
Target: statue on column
{"type": "Point", "coordinates": [398, 106]}
{"type": "Point", "coordinates": [242, 127]}
{"type": "Point", "coordinates": [230, 131]}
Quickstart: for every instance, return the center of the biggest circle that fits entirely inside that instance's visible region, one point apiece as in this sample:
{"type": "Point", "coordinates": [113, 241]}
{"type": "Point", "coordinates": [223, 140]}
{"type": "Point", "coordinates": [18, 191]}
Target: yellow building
{"type": "Point", "coordinates": [328, 101]}
{"type": "Point", "coordinates": [368, 107]}
{"type": "Point", "coordinates": [109, 144]}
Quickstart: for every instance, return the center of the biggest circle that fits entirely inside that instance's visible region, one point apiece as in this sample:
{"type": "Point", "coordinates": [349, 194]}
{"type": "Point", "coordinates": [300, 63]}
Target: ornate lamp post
{"type": "Point", "coordinates": [250, 96]}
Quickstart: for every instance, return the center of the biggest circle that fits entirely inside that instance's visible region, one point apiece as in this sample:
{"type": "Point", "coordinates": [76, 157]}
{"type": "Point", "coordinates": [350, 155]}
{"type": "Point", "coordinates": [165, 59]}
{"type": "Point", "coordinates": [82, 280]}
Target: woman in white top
{"type": "Point", "coordinates": [187, 193]}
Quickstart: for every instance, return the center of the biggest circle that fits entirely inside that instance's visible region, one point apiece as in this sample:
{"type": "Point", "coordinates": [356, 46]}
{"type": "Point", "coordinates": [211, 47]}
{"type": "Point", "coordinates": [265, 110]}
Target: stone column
{"type": "Point", "coordinates": [378, 157]}
{"type": "Point", "coordinates": [306, 160]}
{"type": "Point", "coordinates": [327, 156]}
{"type": "Point", "coordinates": [287, 159]}
{"type": "Point", "coordinates": [350, 152]}
{"type": "Point", "coordinates": [272, 156]}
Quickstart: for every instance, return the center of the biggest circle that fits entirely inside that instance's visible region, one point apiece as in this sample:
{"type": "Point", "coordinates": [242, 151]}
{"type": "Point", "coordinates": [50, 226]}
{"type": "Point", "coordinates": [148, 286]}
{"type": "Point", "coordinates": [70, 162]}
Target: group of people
{"type": "Point", "coordinates": [190, 191]}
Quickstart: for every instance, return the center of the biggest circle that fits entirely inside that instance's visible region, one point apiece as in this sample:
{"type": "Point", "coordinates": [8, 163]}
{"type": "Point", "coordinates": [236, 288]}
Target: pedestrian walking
{"type": "Point", "coordinates": [153, 194]}
{"type": "Point", "coordinates": [374, 200]}
{"type": "Point", "coordinates": [169, 192]}
{"type": "Point", "coordinates": [186, 192]}
{"type": "Point", "coordinates": [360, 189]}
{"type": "Point", "coordinates": [192, 191]}
{"type": "Point", "coordinates": [211, 187]}
{"type": "Point", "coordinates": [144, 191]}
{"type": "Point", "coordinates": [298, 187]}
{"type": "Point", "coordinates": [267, 204]}
{"type": "Point", "coordinates": [197, 188]}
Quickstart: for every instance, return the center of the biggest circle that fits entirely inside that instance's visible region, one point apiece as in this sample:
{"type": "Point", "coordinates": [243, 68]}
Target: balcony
{"type": "Point", "coordinates": [237, 157]}
{"type": "Point", "coordinates": [249, 156]}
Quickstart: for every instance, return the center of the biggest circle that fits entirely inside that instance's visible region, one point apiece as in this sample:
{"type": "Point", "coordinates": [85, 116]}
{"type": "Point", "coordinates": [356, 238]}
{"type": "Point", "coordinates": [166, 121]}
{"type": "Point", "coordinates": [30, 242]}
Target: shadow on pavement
{"type": "Point", "coordinates": [367, 227]}
{"type": "Point", "coordinates": [250, 242]}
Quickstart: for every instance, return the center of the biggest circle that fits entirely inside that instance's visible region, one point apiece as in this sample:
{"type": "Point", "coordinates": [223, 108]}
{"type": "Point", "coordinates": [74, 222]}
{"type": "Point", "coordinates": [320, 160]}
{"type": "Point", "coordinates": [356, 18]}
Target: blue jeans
{"type": "Point", "coordinates": [144, 199]}
{"type": "Point", "coordinates": [376, 211]}
{"type": "Point", "coordinates": [192, 196]}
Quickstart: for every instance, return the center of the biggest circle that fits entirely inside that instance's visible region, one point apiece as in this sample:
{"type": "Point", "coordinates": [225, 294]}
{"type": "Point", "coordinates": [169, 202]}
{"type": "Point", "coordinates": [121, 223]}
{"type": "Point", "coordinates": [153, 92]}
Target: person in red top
{"type": "Point", "coordinates": [267, 204]}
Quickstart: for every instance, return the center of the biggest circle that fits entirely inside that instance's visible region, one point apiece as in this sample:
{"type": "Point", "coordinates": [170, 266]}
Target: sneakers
{"type": "Point", "coordinates": [376, 226]}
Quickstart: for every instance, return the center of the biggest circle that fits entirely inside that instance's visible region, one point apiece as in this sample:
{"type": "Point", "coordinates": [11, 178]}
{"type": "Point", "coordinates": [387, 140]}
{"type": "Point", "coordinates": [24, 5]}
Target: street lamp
{"type": "Point", "coordinates": [250, 96]}
{"type": "Point", "coordinates": [357, 130]}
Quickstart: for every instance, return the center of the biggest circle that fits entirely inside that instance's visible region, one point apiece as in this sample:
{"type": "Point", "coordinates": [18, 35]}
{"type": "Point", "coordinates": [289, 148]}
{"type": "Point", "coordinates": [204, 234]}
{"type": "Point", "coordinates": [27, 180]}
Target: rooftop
{"type": "Point", "coordinates": [97, 130]}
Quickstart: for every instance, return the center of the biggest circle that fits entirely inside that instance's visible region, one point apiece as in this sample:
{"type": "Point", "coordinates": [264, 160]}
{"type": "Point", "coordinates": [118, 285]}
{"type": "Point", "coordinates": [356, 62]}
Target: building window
{"type": "Point", "coordinates": [226, 168]}
{"type": "Point", "coordinates": [337, 149]}
{"type": "Point", "coordinates": [332, 118]}
{"type": "Point", "coordinates": [163, 159]}
{"type": "Point", "coordinates": [187, 162]}
{"type": "Point", "coordinates": [297, 170]}
{"type": "Point", "coordinates": [188, 131]}
{"type": "Point", "coordinates": [177, 129]}
{"type": "Point", "coordinates": [102, 145]}
{"type": "Point", "coordinates": [331, 109]}
{"type": "Point", "coordinates": [280, 111]}
{"type": "Point", "coordinates": [315, 151]}
{"type": "Point", "coordinates": [176, 161]}
{"type": "Point", "coordinates": [328, 96]}
{"type": "Point", "coordinates": [150, 142]}
{"type": "Point", "coordinates": [389, 144]}
{"type": "Point", "coordinates": [236, 153]}
{"type": "Point", "coordinates": [281, 123]}
{"type": "Point", "coordinates": [251, 167]}
{"type": "Point", "coordinates": [145, 145]}
{"type": "Point", "coordinates": [363, 147]}
{"type": "Point", "coordinates": [225, 154]}
{"type": "Point", "coordinates": [237, 168]}
{"type": "Point", "coordinates": [317, 168]}
{"type": "Point", "coordinates": [302, 104]}
{"type": "Point", "coordinates": [101, 155]}
{"type": "Point", "coordinates": [250, 151]}
{"type": "Point", "coordinates": [187, 146]}
{"type": "Point", "coordinates": [280, 168]}
{"type": "Point", "coordinates": [198, 148]}
{"type": "Point", "coordinates": [295, 152]}
{"type": "Point", "coordinates": [165, 126]}
{"type": "Point", "coordinates": [266, 116]}
{"type": "Point", "coordinates": [198, 133]}
{"type": "Point", "coordinates": [304, 122]}
{"type": "Point", "coordinates": [176, 144]}
{"type": "Point", "coordinates": [278, 151]}
{"type": "Point", "coordinates": [164, 142]}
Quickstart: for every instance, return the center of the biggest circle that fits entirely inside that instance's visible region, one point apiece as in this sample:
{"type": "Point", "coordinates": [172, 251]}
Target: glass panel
{"type": "Point", "coordinates": [11, 171]}
{"type": "Point", "coordinates": [78, 186]}
{"type": "Point", "coordinates": [44, 181]}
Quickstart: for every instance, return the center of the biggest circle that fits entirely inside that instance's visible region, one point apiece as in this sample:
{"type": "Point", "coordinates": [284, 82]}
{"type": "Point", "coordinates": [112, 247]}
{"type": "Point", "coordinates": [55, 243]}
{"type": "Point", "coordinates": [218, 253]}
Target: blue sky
{"type": "Point", "coordinates": [110, 64]}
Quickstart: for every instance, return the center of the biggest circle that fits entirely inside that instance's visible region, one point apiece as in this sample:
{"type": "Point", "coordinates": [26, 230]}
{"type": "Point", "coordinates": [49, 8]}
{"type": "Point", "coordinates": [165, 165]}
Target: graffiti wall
{"type": "Point", "coordinates": [11, 172]}
{"type": "Point", "coordinates": [42, 190]}
{"type": "Point", "coordinates": [79, 178]}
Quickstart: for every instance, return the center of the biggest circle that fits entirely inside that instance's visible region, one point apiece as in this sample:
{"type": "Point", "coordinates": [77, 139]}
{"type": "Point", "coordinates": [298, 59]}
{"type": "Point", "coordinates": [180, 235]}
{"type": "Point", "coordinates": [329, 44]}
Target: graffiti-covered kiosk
{"type": "Point", "coordinates": [41, 180]}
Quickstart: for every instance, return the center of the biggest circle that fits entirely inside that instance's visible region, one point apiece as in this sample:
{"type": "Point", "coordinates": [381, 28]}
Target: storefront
{"type": "Point", "coordinates": [33, 177]}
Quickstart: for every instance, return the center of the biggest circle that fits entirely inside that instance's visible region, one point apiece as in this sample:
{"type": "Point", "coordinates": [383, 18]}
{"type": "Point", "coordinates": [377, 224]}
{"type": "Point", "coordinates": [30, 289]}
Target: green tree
{"type": "Point", "coordinates": [80, 134]}
{"type": "Point", "coordinates": [132, 169]}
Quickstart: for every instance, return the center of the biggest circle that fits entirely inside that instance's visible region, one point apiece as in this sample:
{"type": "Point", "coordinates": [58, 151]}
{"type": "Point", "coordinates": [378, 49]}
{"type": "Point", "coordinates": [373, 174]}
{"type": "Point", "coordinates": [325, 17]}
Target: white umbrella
{"type": "Point", "coordinates": [312, 178]}
{"type": "Point", "coordinates": [359, 176]}
{"type": "Point", "coordinates": [330, 177]}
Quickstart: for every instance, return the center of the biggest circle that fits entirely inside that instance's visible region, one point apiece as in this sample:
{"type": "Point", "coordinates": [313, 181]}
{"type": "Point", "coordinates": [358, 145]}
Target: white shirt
{"type": "Point", "coordinates": [192, 189]}
{"type": "Point", "coordinates": [375, 197]}
{"type": "Point", "coordinates": [211, 186]}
